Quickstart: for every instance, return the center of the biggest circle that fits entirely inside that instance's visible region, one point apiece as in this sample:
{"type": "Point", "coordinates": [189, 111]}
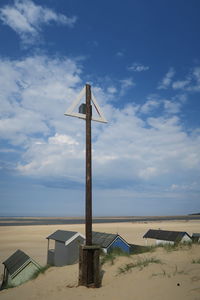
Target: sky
{"type": "Point", "coordinates": [142, 59]}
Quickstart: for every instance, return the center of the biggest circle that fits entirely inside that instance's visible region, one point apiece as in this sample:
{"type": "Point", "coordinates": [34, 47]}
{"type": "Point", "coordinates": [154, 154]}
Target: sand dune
{"type": "Point", "coordinates": [174, 278]}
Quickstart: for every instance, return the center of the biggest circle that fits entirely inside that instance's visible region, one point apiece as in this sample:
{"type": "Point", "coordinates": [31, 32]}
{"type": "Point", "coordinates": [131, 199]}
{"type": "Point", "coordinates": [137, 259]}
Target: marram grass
{"type": "Point", "coordinates": [110, 257]}
{"type": "Point", "coordinates": [141, 263]}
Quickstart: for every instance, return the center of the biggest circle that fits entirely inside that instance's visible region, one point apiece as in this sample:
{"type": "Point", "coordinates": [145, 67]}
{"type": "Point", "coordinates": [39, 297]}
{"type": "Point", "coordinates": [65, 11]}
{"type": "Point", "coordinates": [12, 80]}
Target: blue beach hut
{"type": "Point", "coordinates": [110, 241]}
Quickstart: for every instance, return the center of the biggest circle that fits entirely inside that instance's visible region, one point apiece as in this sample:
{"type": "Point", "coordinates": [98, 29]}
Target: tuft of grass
{"type": "Point", "coordinates": [35, 275]}
{"type": "Point", "coordinates": [169, 275]}
{"type": "Point", "coordinates": [111, 256]}
{"type": "Point", "coordinates": [176, 246]}
{"type": "Point", "coordinates": [164, 274]}
{"type": "Point", "coordinates": [137, 249]}
{"type": "Point", "coordinates": [42, 270]}
{"type": "Point", "coordinates": [185, 246]}
{"type": "Point", "coordinates": [196, 261]}
{"type": "Point", "coordinates": [141, 263]}
{"type": "Point", "coordinates": [169, 247]}
{"type": "Point", "coordinates": [176, 271]}
{"type": "Point", "coordinates": [142, 249]}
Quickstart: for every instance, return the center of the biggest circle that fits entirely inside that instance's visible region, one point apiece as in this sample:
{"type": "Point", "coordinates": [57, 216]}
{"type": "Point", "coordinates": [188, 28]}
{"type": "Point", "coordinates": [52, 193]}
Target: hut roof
{"type": "Point", "coordinates": [98, 238]}
{"type": "Point", "coordinates": [64, 236]}
{"type": "Point", "coordinates": [165, 235]}
{"type": "Point", "coordinates": [103, 239]}
{"type": "Point", "coordinates": [61, 235]}
{"type": "Point", "coordinates": [16, 261]}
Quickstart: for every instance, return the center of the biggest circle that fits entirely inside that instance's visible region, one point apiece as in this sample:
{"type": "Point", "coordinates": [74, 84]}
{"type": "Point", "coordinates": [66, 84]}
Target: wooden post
{"type": "Point", "coordinates": [89, 268]}
{"type": "Point", "coordinates": [88, 190]}
{"type": "Point", "coordinates": [89, 275]}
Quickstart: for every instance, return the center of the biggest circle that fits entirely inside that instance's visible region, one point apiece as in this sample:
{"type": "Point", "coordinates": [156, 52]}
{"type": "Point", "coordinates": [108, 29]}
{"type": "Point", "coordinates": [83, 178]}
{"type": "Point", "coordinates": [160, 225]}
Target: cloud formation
{"type": "Point", "coordinates": [137, 67]}
{"type": "Point", "coordinates": [166, 81]}
{"type": "Point", "coordinates": [137, 147]}
{"type": "Point", "coordinates": [151, 104]}
{"type": "Point", "coordinates": [191, 83]}
{"type": "Point", "coordinates": [26, 19]}
{"type": "Point", "coordinates": [126, 84]}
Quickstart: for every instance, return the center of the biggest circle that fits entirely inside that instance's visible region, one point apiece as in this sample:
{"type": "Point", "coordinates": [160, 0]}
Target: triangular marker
{"type": "Point", "coordinates": [70, 110]}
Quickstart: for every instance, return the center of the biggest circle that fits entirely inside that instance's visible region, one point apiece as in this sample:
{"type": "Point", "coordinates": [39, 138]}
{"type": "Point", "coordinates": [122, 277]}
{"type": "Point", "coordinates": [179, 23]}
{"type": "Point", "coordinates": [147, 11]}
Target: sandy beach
{"type": "Point", "coordinates": [175, 277]}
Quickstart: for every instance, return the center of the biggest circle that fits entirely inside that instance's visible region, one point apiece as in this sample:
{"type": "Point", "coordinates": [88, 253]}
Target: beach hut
{"type": "Point", "coordinates": [66, 247]}
{"type": "Point", "coordinates": [167, 237]}
{"type": "Point", "coordinates": [109, 241]}
{"type": "Point", "coordinates": [196, 237]}
{"type": "Point", "coordinates": [18, 268]}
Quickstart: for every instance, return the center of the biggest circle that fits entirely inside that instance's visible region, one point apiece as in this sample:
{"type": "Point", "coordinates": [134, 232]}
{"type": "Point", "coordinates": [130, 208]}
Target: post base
{"type": "Point", "coordinates": [89, 266]}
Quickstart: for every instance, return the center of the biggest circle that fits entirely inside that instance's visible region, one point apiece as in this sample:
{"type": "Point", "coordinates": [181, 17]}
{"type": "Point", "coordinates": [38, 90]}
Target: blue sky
{"type": "Point", "coordinates": [142, 59]}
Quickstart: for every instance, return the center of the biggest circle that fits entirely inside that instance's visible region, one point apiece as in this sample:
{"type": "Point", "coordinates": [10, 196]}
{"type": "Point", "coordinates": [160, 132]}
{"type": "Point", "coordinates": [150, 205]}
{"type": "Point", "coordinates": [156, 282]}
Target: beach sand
{"type": "Point", "coordinates": [176, 277]}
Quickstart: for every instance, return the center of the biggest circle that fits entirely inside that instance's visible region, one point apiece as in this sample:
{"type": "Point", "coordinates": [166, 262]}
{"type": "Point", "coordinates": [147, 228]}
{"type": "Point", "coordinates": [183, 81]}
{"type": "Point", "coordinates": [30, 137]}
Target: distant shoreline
{"type": "Point", "coordinates": [29, 221]}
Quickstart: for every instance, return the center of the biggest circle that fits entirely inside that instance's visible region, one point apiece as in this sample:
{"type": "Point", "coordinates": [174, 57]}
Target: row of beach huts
{"type": "Point", "coordinates": [19, 267]}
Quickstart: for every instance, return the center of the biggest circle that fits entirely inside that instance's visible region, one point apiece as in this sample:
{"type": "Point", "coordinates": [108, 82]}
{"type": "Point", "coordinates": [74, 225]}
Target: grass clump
{"type": "Point", "coordinates": [196, 261]}
{"type": "Point", "coordinates": [176, 246]}
{"type": "Point", "coordinates": [41, 270]}
{"type": "Point", "coordinates": [176, 271]}
{"type": "Point", "coordinates": [163, 273]}
{"type": "Point", "coordinates": [112, 255]}
{"type": "Point", "coordinates": [169, 247]}
{"type": "Point", "coordinates": [141, 263]}
{"type": "Point", "coordinates": [137, 249]}
{"type": "Point", "coordinates": [169, 275]}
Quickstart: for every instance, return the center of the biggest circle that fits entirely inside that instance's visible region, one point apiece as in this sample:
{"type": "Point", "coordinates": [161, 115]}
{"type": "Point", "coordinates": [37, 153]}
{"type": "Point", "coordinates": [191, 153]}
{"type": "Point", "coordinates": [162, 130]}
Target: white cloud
{"type": "Point", "coordinates": [148, 172]}
{"type": "Point", "coordinates": [172, 107]}
{"type": "Point", "coordinates": [180, 84]}
{"type": "Point", "coordinates": [196, 73]}
{"type": "Point", "coordinates": [185, 187]}
{"type": "Point", "coordinates": [60, 139]}
{"type": "Point", "coordinates": [166, 81]}
{"type": "Point", "coordinates": [149, 105]}
{"type": "Point", "coordinates": [36, 92]}
{"type": "Point", "coordinates": [119, 54]}
{"type": "Point", "coordinates": [33, 104]}
{"type": "Point", "coordinates": [137, 67]}
{"type": "Point", "coordinates": [154, 102]}
{"type": "Point", "coordinates": [194, 80]}
{"type": "Point", "coordinates": [26, 18]}
{"type": "Point", "coordinates": [59, 156]}
{"type": "Point", "coordinates": [112, 90]}
{"type": "Point", "coordinates": [126, 84]}
{"type": "Point", "coordinates": [191, 82]}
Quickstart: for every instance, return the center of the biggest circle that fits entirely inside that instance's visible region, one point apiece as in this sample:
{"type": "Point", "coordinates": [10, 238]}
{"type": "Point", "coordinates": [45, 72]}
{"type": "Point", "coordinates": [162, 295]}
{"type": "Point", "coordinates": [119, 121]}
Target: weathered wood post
{"type": "Point", "coordinates": [89, 272]}
{"type": "Point", "coordinates": [89, 267]}
{"type": "Point", "coordinates": [88, 183]}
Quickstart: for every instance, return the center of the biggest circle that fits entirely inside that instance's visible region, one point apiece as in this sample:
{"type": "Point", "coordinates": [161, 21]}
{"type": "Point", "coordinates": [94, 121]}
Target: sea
{"type": "Point", "coordinates": [24, 221]}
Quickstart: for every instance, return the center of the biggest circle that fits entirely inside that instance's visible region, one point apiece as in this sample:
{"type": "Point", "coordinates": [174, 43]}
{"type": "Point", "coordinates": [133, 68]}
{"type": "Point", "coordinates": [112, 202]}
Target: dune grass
{"type": "Point", "coordinates": [141, 263]}
{"type": "Point", "coordinates": [41, 270]}
{"type": "Point", "coordinates": [137, 249]}
{"type": "Point", "coordinates": [174, 247]}
{"type": "Point", "coordinates": [196, 261]}
{"type": "Point", "coordinates": [111, 256]}
{"type": "Point", "coordinates": [164, 273]}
